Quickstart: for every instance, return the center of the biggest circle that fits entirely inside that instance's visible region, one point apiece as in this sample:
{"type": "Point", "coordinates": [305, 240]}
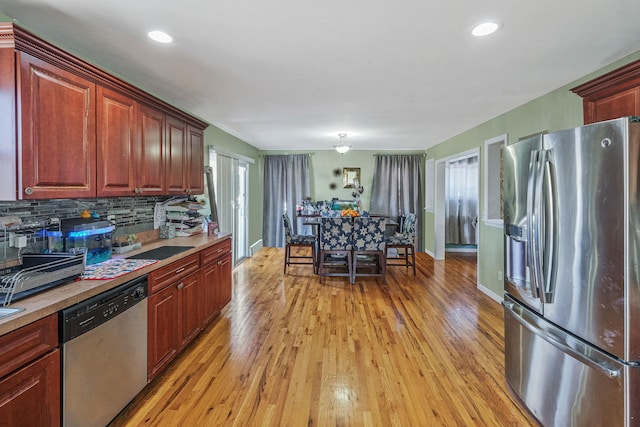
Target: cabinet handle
{"type": "Point", "coordinates": [28, 191]}
{"type": "Point", "coordinates": [180, 270]}
{"type": "Point", "coordinates": [219, 262]}
{"type": "Point", "coordinates": [181, 285]}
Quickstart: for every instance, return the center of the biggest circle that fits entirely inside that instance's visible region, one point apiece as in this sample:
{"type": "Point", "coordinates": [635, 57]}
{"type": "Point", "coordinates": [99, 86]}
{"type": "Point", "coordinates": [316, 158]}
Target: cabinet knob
{"type": "Point", "coordinates": [28, 191]}
{"type": "Point", "coordinates": [181, 285]}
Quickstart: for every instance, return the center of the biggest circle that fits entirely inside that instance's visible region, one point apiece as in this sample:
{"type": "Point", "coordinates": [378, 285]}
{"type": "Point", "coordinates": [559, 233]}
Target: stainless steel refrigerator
{"type": "Point", "coordinates": [572, 274]}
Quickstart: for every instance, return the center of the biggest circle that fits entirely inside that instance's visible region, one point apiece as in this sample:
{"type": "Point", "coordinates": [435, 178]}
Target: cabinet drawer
{"type": "Point", "coordinates": [164, 276]}
{"type": "Point", "coordinates": [23, 345]}
{"type": "Point", "coordinates": [214, 252]}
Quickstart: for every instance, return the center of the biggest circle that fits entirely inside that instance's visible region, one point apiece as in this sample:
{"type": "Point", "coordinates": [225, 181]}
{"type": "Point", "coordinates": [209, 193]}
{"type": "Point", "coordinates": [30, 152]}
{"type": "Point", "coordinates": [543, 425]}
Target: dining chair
{"type": "Point", "coordinates": [404, 243]}
{"type": "Point", "coordinates": [335, 247]}
{"type": "Point", "coordinates": [297, 241]}
{"type": "Point", "coordinates": [369, 254]}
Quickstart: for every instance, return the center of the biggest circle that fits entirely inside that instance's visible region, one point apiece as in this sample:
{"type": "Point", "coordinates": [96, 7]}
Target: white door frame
{"type": "Point", "coordinates": [439, 211]}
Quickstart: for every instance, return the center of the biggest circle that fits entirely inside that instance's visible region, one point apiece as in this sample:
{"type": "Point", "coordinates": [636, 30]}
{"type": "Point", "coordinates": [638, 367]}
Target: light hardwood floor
{"type": "Point", "coordinates": [288, 351]}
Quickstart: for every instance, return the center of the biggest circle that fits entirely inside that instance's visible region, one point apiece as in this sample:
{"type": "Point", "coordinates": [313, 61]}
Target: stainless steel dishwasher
{"type": "Point", "coordinates": [104, 354]}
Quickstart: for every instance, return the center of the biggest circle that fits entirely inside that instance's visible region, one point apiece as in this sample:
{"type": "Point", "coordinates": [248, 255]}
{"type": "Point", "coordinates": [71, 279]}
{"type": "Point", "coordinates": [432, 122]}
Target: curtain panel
{"type": "Point", "coordinates": [462, 201]}
{"type": "Point", "coordinates": [286, 183]}
{"type": "Point", "coordinates": [397, 189]}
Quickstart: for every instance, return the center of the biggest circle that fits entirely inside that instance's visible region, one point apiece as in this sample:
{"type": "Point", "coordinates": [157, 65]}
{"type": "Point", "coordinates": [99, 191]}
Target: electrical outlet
{"type": "Point", "coordinates": [500, 275]}
{"type": "Point", "coordinates": [21, 241]}
{"type": "Point", "coordinates": [12, 240]}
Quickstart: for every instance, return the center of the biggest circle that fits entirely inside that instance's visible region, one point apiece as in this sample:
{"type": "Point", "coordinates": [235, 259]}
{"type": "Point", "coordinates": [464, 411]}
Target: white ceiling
{"type": "Point", "coordinates": [292, 74]}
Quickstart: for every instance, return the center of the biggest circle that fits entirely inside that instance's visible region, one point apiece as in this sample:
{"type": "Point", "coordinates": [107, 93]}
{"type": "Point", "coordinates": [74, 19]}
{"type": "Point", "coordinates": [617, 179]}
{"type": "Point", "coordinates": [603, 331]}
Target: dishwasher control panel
{"type": "Point", "coordinates": [93, 312]}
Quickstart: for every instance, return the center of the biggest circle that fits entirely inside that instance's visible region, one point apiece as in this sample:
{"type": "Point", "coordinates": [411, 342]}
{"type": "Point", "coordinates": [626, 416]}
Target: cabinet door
{"type": "Point", "coordinates": [224, 280]}
{"type": "Point", "coordinates": [58, 132]}
{"type": "Point", "coordinates": [191, 309]}
{"type": "Point", "coordinates": [151, 165]}
{"type": "Point", "coordinates": [195, 158]}
{"type": "Point", "coordinates": [31, 395]}
{"type": "Point", "coordinates": [163, 343]}
{"type": "Point", "coordinates": [210, 287]}
{"type": "Point", "coordinates": [621, 104]}
{"type": "Point", "coordinates": [117, 144]}
{"type": "Point", "coordinates": [176, 152]}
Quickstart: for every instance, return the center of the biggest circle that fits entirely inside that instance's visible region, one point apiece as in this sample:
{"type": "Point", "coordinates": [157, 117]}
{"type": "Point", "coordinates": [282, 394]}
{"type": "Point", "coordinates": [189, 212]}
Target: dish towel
{"type": "Point", "coordinates": [112, 268]}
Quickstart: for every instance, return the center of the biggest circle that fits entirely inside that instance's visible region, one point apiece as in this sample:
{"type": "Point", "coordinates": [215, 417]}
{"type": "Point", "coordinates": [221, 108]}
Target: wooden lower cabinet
{"type": "Point", "coordinates": [163, 344]}
{"type": "Point", "coordinates": [31, 396]}
{"type": "Point", "coordinates": [30, 375]}
{"type": "Point", "coordinates": [191, 296]}
{"type": "Point", "coordinates": [180, 309]}
{"type": "Point", "coordinates": [216, 275]}
{"type": "Point", "coordinates": [224, 278]}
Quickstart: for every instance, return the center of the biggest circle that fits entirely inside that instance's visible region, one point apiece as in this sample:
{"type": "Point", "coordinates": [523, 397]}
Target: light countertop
{"type": "Point", "coordinates": [45, 303]}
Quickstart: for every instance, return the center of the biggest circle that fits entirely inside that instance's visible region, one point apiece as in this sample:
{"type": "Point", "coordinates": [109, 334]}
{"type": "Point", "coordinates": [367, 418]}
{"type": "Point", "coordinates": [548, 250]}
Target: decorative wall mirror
{"type": "Point", "coordinates": [349, 176]}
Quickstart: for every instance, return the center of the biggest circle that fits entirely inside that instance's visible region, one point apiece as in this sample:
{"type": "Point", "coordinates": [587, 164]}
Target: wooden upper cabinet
{"type": "Point", "coordinates": [195, 158]}
{"type": "Point", "coordinates": [73, 130]}
{"type": "Point", "coordinates": [176, 152]}
{"type": "Point", "coordinates": [58, 131]}
{"type": "Point", "coordinates": [117, 143]}
{"type": "Point", "coordinates": [151, 170]}
{"type": "Point", "coordinates": [612, 95]}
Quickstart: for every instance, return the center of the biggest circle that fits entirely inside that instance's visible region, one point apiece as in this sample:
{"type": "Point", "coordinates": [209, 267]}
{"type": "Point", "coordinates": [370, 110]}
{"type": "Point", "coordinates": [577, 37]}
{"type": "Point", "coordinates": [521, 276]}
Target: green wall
{"type": "Point", "coordinates": [557, 110]}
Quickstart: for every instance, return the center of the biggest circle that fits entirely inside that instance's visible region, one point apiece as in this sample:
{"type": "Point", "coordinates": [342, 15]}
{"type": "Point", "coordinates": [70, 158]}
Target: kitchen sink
{"type": "Point", "coordinates": [161, 253]}
{"type": "Point", "coordinates": [6, 311]}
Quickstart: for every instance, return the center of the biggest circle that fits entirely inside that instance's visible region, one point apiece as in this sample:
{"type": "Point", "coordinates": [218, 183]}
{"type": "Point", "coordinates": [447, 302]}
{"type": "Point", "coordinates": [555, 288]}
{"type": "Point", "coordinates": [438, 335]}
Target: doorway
{"type": "Point", "coordinates": [231, 182]}
{"type": "Point", "coordinates": [456, 200]}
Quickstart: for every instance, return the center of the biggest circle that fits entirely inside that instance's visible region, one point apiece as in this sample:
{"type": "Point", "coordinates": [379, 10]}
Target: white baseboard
{"type": "Point", "coordinates": [431, 254]}
{"type": "Point", "coordinates": [497, 298]}
{"type": "Point", "coordinates": [253, 249]}
{"type": "Point", "coordinates": [461, 250]}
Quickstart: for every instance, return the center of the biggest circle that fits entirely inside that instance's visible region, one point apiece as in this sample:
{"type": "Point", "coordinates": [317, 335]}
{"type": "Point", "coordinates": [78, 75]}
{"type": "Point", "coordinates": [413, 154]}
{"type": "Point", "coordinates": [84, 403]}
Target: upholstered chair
{"type": "Point", "coordinates": [369, 254]}
{"type": "Point", "coordinates": [404, 243]}
{"type": "Point", "coordinates": [335, 247]}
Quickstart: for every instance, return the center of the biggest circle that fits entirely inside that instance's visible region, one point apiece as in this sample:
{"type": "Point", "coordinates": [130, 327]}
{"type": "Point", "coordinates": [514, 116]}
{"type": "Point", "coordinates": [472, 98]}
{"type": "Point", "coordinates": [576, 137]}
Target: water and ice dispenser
{"type": "Point", "coordinates": [516, 269]}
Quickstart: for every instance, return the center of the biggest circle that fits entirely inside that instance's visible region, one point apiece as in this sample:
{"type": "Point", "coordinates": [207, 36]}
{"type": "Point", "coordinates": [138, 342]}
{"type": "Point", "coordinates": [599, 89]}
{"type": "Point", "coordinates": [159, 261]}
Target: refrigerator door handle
{"type": "Point", "coordinates": [535, 223]}
{"type": "Point", "coordinates": [531, 238]}
{"type": "Point", "coordinates": [530, 321]}
{"type": "Point", "coordinates": [551, 232]}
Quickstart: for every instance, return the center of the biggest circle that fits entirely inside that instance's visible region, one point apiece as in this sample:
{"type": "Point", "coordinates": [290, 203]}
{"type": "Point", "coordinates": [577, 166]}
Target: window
{"type": "Point", "coordinates": [493, 148]}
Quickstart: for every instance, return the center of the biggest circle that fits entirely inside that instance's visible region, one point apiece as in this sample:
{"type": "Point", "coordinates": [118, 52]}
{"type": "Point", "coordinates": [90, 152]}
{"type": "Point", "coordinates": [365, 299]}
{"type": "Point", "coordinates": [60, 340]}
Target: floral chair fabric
{"type": "Point", "coordinates": [368, 234]}
{"type": "Point", "coordinates": [299, 239]}
{"type": "Point", "coordinates": [335, 234]}
{"type": "Point", "coordinates": [407, 234]}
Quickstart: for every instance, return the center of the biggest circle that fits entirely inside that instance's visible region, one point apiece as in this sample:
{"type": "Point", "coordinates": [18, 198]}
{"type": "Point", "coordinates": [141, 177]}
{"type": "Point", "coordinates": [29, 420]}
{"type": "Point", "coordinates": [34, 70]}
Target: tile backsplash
{"type": "Point", "coordinates": [132, 214]}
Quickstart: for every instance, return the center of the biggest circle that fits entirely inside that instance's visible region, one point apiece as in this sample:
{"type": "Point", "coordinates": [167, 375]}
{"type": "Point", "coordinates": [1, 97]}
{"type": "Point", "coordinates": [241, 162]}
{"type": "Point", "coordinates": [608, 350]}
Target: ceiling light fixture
{"type": "Point", "coordinates": [160, 37]}
{"type": "Point", "coordinates": [485, 29]}
{"type": "Point", "coordinates": [342, 147]}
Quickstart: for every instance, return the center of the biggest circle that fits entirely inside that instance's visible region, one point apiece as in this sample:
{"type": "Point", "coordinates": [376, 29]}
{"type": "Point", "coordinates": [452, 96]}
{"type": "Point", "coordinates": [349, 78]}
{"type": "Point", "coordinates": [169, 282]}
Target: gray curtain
{"type": "Point", "coordinates": [462, 201]}
{"type": "Point", "coordinates": [397, 189]}
{"type": "Point", "coordinates": [286, 183]}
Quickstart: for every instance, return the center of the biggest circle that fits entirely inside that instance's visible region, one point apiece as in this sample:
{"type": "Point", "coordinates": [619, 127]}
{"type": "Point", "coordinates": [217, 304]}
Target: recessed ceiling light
{"type": "Point", "coordinates": [485, 29]}
{"type": "Point", "coordinates": [160, 36]}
